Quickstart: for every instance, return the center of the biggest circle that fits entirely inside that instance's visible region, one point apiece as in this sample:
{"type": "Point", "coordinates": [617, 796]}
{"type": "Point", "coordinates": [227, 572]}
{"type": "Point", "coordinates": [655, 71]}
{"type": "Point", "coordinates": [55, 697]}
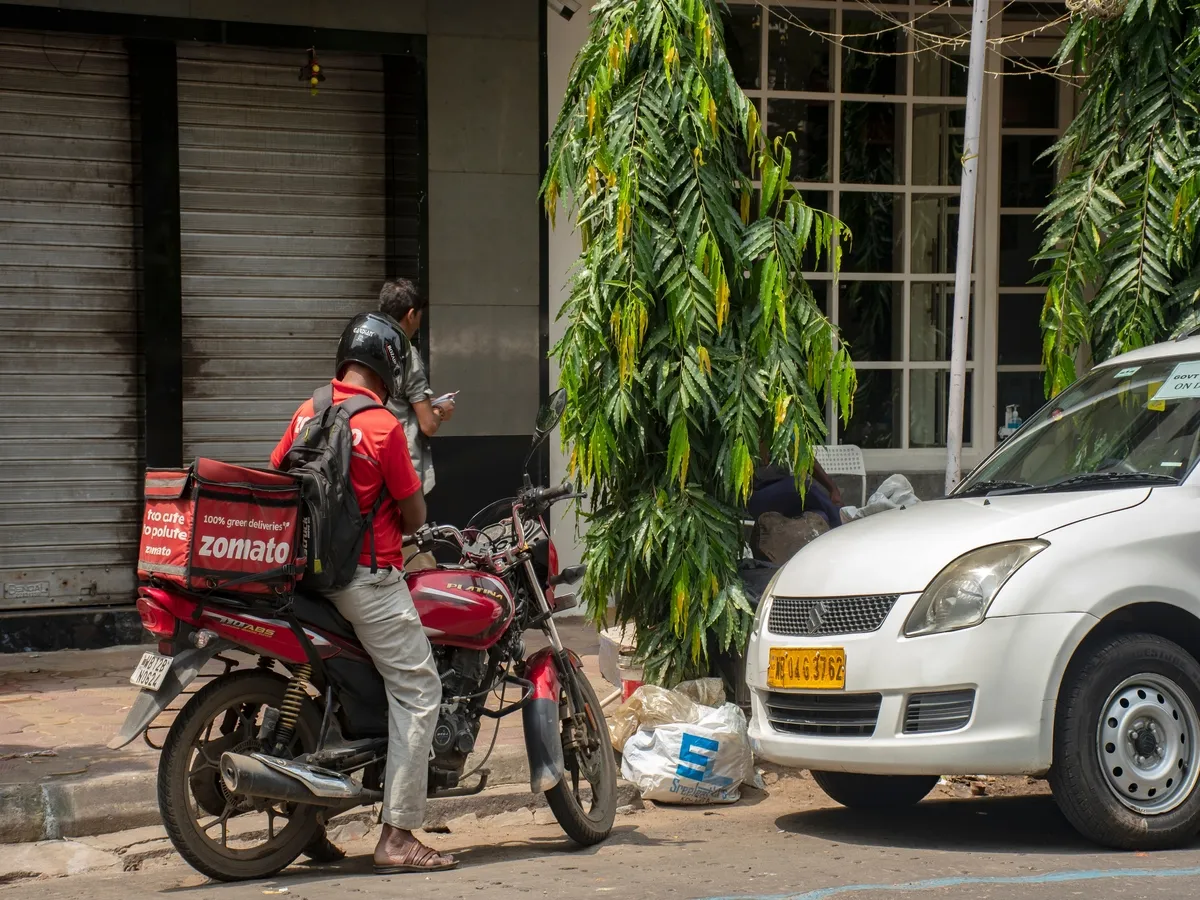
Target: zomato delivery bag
{"type": "Point", "coordinates": [216, 526]}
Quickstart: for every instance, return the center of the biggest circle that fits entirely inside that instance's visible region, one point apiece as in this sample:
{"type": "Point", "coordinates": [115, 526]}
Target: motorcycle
{"type": "Point", "coordinates": [254, 764]}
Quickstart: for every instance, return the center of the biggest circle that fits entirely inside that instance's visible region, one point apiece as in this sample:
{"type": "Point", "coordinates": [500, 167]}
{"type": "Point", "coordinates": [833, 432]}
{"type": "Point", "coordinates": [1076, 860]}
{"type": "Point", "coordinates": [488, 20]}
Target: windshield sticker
{"type": "Point", "coordinates": [1184, 381]}
{"type": "Point", "coordinates": [1128, 373]}
{"type": "Point", "coordinates": [1151, 391]}
{"type": "Point", "coordinates": [1171, 465]}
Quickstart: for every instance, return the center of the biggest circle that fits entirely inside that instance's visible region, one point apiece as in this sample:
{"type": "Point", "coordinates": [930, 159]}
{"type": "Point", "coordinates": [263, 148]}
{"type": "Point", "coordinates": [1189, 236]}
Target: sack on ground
{"type": "Point", "coordinates": [647, 707]}
{"type": "Point", "coordinates": [895, 492]}
{"type": "Point", "coordinates": [705, 691]}
{"type": "Point", "coordinates": [777, 538]}
{"type": "Point", "coordinates": [705, 761]}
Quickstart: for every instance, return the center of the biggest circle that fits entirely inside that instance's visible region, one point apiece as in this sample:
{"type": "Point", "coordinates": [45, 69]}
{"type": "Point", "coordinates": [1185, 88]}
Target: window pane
{"type": "Point", "coordinates": [1020, 239]}
{"type": "Point", "coordinates": [743, 43]}
{"type": "Point", "coordinates": [1019, 335]}
{"type": "Point", "coordinates": [877, 422]}
{"type": "Point", "coordinates": [1026, 177]}
{"type": "Point", "coordinates": [870, 319]}
{"type": "Point", "coordinates": [817, 200]}
{"type": "Point", "coordinates": [797, 59]}
{"type": "Point", "coordinates": [876, 223]}
{"type": "Point", "coordinates": [931, 322]}
{"type": "Point", "coordinates": [937, 145]}
{"type": "Point", "coordinates": [881, 66]}
{"type": "Point", "coordinates": [808, 123]}
{"type": "Point", "coordinates": [873, 143]}
{"type": "Point", "coordinates": [1030, 97]}
{"type": "Point", "coordinates": [1025, 390]}
{"type": "Point", "coordinates": [820, 290]}
{"type": "Point", "coordinates": [934, 233]}
{"type": "Point", "coordinates": [929, 408]}
{"type": "Point", "coordinates": [940, 70]}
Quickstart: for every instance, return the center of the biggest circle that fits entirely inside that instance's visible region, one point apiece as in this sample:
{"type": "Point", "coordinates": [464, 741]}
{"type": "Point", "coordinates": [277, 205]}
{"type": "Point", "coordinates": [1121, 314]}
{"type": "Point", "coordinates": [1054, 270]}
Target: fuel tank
{"type": "Point", "coordinates": [461, 608]}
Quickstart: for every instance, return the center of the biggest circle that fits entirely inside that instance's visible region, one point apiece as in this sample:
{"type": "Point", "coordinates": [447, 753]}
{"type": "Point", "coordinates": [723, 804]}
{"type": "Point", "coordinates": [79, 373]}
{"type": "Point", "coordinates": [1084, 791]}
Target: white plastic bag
{"type": "Point", "coordinates": [895, 492]}
{"type": "Point", "coordinates": [700, 762]}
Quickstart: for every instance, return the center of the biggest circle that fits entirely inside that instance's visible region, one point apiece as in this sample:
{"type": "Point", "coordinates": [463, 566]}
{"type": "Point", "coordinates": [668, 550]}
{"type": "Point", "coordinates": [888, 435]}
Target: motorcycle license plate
{"type": "Point", "coordinates": [151, 670]}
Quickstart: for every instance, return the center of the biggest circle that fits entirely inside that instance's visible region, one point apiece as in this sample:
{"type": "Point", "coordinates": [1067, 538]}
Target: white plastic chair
{"type": "Point", "coordinates": [843, 459]}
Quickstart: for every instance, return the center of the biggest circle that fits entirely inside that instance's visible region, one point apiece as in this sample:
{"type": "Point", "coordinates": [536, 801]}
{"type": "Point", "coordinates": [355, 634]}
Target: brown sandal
{"type": "Point", "coordinates": [418, 856]}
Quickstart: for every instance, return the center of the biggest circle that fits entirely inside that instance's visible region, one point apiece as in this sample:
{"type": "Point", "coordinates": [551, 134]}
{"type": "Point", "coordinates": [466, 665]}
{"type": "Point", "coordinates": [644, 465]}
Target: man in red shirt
{"type": "Point", "coordinates": [371, 360]}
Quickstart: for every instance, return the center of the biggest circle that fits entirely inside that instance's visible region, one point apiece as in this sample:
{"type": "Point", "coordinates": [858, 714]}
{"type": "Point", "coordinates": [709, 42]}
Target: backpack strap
{"type": "Point", "coordinates": [322, 398]}
{"type": "Point", "coordinates": [358, 403]}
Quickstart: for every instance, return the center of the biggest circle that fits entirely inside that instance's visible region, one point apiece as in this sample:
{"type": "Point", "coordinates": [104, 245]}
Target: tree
{"type": "Point", "coordinates": [692, 338]}
{"type": "Point", "coordinates": [1121, 233]}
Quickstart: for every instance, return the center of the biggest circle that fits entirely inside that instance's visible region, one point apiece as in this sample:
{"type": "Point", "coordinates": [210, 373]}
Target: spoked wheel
{"type": "Point", "coordinates": [585, 801]}
{"type": "Point", "coordinates": [228, 836]}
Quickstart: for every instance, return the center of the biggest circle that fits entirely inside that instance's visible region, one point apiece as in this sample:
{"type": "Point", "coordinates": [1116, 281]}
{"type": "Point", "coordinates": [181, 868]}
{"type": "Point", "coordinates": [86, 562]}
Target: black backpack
{"type": "Point", "coordinates": [319, 457]}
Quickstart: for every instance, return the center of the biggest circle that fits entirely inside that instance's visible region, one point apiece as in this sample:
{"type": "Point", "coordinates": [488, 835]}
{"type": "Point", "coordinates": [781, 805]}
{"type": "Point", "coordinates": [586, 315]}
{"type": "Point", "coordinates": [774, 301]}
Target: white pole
{"type": "Point", "coordinates": [966, 243]}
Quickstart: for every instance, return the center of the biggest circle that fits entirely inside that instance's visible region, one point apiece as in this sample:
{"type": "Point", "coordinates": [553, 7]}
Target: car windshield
{"type": "Point", "coordinates": [1117, 427]}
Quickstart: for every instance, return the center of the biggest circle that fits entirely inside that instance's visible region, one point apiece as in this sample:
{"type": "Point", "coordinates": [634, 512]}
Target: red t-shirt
{"type": "Point", "coordinates": [380, 462]}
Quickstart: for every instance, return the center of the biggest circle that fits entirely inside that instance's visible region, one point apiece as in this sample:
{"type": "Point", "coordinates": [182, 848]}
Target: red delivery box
{"type": "Point", "coordinates": [216, 526]}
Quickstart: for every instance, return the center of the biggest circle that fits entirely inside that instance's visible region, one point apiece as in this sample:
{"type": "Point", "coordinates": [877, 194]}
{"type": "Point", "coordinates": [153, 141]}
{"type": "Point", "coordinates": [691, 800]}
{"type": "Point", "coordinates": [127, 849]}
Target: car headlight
{"type": "Point", "coordinates": [764, 603]}
{"type": "Point", "coordinates": [960, 595]}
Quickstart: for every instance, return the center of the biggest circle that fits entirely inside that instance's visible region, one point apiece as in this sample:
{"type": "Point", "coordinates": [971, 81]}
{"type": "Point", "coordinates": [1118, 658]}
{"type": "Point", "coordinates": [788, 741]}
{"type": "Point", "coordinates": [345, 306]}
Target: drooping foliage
{"type": "Point", "coordinates": [1121, 235]}
{"type": "Point", "coordinates": [692, 340]}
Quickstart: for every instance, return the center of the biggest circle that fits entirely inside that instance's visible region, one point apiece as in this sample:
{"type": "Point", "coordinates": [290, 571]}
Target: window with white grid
{"type": "Point", "coordinates": [878, 142]}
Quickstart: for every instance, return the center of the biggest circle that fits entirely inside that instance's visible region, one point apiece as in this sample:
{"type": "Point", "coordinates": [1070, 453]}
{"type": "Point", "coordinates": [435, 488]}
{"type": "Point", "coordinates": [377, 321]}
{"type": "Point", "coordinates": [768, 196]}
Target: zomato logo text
{"type": "Point", "coordinates": [241, 548]}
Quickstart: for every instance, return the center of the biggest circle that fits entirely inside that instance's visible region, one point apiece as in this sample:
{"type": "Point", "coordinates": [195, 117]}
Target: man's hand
{"type": "Point", "coordinates": [445, 411]}
{"type": "Point", "coordinates": [835, 494]}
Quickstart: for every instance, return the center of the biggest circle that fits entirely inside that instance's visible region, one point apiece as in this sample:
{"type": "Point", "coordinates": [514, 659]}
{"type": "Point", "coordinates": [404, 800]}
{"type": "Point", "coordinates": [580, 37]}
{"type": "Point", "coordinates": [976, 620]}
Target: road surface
{"type": "Point", "coordinates": [791, 843]}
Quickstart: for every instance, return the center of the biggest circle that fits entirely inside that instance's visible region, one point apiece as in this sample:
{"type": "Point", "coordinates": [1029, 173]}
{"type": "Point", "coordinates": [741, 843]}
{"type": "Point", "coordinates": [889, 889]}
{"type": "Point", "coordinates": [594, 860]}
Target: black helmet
{"type": "Point", "coordinates": [374, 340]}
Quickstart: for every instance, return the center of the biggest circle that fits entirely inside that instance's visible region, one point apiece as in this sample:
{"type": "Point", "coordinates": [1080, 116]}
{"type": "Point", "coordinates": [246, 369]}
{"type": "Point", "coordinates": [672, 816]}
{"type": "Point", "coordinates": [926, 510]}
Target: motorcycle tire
{"type": "Point", "coordinates": [237, 691]}
{"type": "Point", "coordinates": [585, 826]}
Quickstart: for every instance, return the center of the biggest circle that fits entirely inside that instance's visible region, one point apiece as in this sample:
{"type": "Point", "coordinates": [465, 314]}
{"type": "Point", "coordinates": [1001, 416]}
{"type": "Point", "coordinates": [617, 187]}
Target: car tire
{"type": "Point", "coordinates": [1112, 696]}
{"type": "Point", "coordinates": [875, 791]}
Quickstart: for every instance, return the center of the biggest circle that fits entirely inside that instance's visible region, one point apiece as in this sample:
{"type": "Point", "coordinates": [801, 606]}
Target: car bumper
{"type": "Point", "coordinates": [1013, 664]}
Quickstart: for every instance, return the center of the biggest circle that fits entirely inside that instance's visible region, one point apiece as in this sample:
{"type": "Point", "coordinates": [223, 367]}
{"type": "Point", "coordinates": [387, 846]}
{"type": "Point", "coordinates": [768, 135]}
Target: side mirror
{"type": "Point", "coordinates": [550, 414]}
{"type": "Point", "coordinates": [548, 417]}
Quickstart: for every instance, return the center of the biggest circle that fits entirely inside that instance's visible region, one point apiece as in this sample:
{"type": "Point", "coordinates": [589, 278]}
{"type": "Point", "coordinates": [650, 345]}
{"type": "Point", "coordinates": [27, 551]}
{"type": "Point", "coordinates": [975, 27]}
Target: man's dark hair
{"type": "Point", "coordinates": [398, 297]}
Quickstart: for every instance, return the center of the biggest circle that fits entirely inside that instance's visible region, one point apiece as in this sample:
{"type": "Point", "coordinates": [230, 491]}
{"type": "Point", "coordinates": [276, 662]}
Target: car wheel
{"type": "Point", "coordinates": [1127, 744]}
{"type": "Point", "coordinates": [875, 791]}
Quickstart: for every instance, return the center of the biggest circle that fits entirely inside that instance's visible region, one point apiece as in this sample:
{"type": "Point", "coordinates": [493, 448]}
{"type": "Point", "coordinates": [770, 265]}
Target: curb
{"type": "Point", "coordinates": [103, 804]}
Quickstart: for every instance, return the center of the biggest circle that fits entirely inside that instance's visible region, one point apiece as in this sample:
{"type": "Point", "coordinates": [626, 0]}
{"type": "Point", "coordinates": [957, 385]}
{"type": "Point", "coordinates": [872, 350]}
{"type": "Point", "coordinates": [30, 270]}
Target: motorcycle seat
{"type": "Point", "coordinates": [315, 610]}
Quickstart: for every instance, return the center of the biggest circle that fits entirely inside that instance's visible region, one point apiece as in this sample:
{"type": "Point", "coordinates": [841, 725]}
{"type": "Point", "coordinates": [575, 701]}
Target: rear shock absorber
{"type": "Point", "coordinates": [289, 710]}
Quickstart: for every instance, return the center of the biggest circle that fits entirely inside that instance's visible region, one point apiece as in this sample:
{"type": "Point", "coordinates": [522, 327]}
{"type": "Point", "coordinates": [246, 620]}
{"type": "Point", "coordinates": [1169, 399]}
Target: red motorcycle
{"type": "Point", "coordinates": [255, 764]}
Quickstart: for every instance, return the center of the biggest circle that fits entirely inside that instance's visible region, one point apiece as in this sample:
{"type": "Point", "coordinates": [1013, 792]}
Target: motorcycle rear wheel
{"type": "Point", "coordinates": [231, 706]}
{"type": "Point", "coordinates": [587, 820]}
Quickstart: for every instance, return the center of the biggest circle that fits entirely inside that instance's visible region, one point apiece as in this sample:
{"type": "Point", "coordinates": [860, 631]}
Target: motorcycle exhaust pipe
{"type": "Point", "coordinates": [259, 775]}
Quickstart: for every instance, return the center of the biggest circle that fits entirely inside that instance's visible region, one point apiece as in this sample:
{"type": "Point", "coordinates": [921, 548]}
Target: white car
{"type": "Point", "coordinates": [1044, 618]}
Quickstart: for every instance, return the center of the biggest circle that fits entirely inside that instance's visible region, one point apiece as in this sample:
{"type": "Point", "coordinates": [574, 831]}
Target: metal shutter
{"type": "Point", "coordinates": [69, 449]}
{"type": "Point", "coordinates": [282, 206]}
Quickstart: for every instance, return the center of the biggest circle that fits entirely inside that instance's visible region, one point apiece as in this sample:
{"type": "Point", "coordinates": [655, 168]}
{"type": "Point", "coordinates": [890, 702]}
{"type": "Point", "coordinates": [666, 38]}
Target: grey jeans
{"type": "Point", "coordinates": [381, 610]}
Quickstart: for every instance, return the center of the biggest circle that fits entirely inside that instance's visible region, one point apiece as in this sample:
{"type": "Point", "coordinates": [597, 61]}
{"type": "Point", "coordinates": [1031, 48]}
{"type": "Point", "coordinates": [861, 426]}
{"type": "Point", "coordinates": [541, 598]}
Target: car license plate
{"type": "Point", "coordinates": [151, 670]}
{"type": "Point", "coordinates": [820, 669]}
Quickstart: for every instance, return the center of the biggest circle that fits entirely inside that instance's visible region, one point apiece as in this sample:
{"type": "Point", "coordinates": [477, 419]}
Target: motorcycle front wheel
{"type": "Point", "coordinates": [227, 836]}
{"type": "Point", "coordinates": [585, 801]}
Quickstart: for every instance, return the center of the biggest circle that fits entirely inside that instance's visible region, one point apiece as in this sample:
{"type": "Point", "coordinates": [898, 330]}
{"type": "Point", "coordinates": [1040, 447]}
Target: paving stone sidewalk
{"type": "Point", "coordinates": [59, 710]}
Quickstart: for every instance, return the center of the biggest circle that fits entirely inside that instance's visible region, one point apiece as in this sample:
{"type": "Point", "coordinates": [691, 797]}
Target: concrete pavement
{"type": "Point", "coordinates": [790, 842]}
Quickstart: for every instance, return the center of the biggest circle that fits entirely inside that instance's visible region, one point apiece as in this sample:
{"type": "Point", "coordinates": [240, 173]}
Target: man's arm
{"type": "Point", "coordinates": [401, 481]}
{"type": "Point", "coordinates": [822, 478]}
{"type": "Point", "coordinates": [428, 417]}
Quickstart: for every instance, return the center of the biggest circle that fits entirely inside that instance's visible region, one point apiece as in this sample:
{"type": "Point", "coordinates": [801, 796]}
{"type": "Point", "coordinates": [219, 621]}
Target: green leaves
{"type": "Point", "coordinates": [691, 342]}
{"type": "Point", "coordinates": [1120, 232]}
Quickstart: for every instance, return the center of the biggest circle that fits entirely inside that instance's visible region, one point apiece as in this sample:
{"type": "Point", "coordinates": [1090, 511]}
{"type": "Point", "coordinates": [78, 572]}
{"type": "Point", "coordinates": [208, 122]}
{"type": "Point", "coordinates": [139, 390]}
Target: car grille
{"type": "Point", "coordinates": [827, 715]}
{"type": "Point", "coordinates": [832, 615]}
{"type": "Point", "coordinates": [943, 711]}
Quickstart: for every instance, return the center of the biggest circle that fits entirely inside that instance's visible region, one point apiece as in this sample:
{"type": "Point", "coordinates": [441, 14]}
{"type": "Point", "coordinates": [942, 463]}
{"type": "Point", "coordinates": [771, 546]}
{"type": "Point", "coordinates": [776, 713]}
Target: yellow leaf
{"type": "Point", "coordinates": [722, 301]}
{"type": "Point", "coordinates": [745, 208]}
{"type": "Point", "coordinates": [593, 180]}
{"type": "Point", "coordinates": [591, 113]}
{"type": "Point", "coordinates": [781, 408]}
{"type": "Point", "coordinates": [712, 115]}
{"type": "Point", "coordinates": [705, 360]}
{"type": "Point", "coordinates": [614, 56]}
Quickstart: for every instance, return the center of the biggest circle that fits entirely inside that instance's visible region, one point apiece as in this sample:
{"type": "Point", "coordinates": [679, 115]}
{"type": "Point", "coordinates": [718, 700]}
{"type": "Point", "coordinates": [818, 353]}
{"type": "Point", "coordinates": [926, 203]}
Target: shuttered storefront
{"type": "Point", "coordinates": [283, 220]}
{"type": "Point", "coordinates": [69, 448]}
